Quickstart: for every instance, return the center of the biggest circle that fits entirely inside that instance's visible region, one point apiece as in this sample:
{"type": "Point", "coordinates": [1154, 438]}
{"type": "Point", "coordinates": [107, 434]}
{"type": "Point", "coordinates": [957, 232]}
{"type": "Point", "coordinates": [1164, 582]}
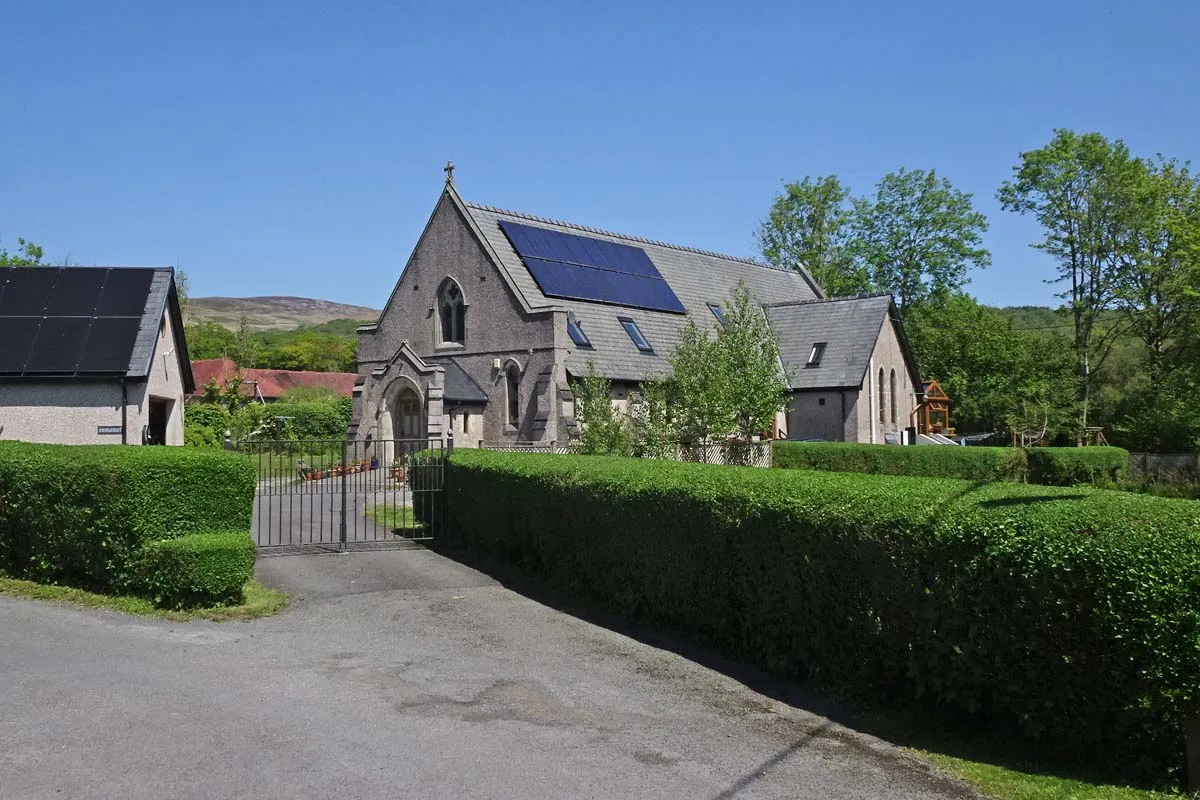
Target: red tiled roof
{"type": "Point", "coordinates": [271, 382]}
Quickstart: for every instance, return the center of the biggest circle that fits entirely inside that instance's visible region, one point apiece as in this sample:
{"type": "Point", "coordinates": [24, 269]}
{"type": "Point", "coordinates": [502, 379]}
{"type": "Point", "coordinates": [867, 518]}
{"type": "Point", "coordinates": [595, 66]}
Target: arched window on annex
{"type": "Point", "coordinates": [892, 387]}
{"type": "Point", "coordinates": [512, 392]}
{"type": "Point", "coordinates": [452, 313]}
{"type": "Point", "coordinates": [882, 397]}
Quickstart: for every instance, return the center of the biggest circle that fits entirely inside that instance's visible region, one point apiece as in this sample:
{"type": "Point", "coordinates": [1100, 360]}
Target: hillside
{"type": "Point", "coordinates": [272, 313]}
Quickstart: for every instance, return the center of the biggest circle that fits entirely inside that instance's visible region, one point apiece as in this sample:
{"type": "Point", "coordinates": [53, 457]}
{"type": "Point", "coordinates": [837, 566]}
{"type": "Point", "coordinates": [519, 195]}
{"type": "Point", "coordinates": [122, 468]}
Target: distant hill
{"type": "Point", "coordinates": [273, 313]}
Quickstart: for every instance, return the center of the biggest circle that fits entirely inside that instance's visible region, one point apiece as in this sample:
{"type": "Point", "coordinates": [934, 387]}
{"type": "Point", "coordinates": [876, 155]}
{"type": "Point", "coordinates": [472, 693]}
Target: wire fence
{"type": "Point", "coordinates": [1171, 468]}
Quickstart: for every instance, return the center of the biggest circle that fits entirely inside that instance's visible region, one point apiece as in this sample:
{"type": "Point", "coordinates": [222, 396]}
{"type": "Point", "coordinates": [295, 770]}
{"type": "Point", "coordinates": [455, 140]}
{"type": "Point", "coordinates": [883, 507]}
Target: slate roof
{"type": "Point", "coordinates": [849, 326]}
{"type": "Point", "coordinates": [459, 387]}
{"type": "Point", "coordinates": [698, 277]}
{"type": "Point", "coordinates": [271, 382]}
{"type": "Point", "coordinates": [86, 305]}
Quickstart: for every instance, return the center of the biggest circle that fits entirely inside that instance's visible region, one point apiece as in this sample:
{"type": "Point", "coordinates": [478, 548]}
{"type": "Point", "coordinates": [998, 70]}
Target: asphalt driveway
{"type": "Point", "coordinates": [400, 674]}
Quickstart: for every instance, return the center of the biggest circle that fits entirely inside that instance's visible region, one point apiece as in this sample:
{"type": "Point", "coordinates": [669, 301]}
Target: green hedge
{"type": "Point", "coordinates": [1071, 614]}
{"type": "Point", "coordinates": [199, 569]}
{"type": "Point", "coordinates": [79, 516]}
{"type": "Point", "coordinates": [1051, 466]}
{"type": "Point", "coordinates": [930, 461]}
{"type": "Point", "coordinates": [1068, 466]}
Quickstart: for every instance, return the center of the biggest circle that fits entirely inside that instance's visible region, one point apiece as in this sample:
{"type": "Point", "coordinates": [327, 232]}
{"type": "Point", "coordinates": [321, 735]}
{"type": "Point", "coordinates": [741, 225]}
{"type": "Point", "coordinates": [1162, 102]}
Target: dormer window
{"type": "Point", "coordinates": [635, 334]}
{"type": "Point", "coordinates": [575, 331]}
{"type": "Point", "coordinates": [719, 313]}
{"type": "Point", "coordinates": [452, 312]}
{"type": "Point", "coordinates": [816, 354]}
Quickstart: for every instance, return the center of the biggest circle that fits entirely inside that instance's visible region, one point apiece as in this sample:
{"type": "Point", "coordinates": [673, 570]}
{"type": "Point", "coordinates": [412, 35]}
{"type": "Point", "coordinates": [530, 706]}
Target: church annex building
{"type": "Point", "coordinates": [496, 311]}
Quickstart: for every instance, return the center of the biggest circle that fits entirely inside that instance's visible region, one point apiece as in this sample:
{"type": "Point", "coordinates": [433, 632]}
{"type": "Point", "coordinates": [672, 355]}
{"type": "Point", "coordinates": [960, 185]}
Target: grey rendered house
{"type": "Point", "coordinates": [496, 311]}
{"type": "Point", "coordinates": [92, 355]}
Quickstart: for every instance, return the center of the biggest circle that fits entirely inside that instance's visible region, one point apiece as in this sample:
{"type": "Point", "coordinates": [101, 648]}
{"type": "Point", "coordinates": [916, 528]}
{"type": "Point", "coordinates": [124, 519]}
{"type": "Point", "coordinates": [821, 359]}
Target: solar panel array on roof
{"type": "Point", "coordinates": [582, 268]}
{"type": "Point", "coordinates": [66, 321]}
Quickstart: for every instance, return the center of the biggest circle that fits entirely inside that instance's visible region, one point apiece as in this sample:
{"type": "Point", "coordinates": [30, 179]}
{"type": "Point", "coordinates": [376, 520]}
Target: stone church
{"type": "Point", "coordinates": [496, 311]}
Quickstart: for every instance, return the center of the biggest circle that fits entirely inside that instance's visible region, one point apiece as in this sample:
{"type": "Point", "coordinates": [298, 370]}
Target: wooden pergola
{"type": "Point", "coordinates": [933, 413]}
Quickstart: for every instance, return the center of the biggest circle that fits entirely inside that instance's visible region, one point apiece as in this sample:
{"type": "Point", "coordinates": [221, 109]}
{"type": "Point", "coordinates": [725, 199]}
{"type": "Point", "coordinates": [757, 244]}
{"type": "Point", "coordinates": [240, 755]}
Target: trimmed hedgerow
{"type": "Point", "coordinates": [967, 463]}
{"type": "Point", "coordinates": [199, 569]}
{"type": "Point", "coordinates": [1072, 615]}
{"type": "Point", "coordinates": [79, 516]}
{"type": "Point", "coordinates": [1068, 466]}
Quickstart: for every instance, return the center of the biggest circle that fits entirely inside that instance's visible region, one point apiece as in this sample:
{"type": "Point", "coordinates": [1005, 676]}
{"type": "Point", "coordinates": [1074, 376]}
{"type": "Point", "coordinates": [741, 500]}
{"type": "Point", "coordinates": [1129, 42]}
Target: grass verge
{"type": "Point", "coordinates": [1006, 783]}
{"type": "Point", "coordinates": [393, 517]}
{"type": "Point", "coordinates": [260, 601]}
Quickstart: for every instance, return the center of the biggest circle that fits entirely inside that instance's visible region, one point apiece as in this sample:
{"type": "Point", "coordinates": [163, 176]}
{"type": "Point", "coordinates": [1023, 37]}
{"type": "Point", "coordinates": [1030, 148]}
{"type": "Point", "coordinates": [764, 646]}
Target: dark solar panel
{"type": "Point", "coordinates": [582, 268]}
{"type": "Point", "coordinates": [125, 293]}
{"type": "Point", "coordinates": [110, 345]}
{"type": "Point", "coordinates": [582, 250]}
{"type": "Point", "coordinates": [27, 291]}
{"type": "Point", "coordinates": [16, 340]}
{"type": "Point", "coordinates": [59, 345]}
{"type": "Point", "coordinates": [76, 293]}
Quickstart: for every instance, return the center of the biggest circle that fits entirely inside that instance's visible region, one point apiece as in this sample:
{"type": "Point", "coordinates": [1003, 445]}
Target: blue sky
{"type": "Point", "coordinates": [296, 148]}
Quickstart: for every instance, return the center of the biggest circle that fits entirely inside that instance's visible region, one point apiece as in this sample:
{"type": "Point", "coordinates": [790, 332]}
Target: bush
{"type": "Point", "coordinates": [930, 461]}
{"type": "Point", "coordinates": [200, 569]}
{"type": "Point", "coordinates": [204, 424]}
{"type": "Point", "coordinates": [80, 515]}
{"type": "Point", "coordinates": [1067, 466]}
{"type": "Point", "coordinates": [1072, 615]}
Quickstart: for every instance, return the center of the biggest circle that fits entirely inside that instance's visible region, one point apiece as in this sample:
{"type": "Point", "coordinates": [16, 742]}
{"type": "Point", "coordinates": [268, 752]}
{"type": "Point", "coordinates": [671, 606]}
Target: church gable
{"type": "Point", "coordinates": [451, 299]}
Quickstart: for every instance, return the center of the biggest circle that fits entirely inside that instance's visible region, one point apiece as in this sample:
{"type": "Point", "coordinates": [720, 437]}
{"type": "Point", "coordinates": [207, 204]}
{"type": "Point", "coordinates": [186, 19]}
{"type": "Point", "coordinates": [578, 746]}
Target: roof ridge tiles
{"type": "Point", "coordinates": [825, 300]}
{"type": "Point", "coordinates": [627, 236]}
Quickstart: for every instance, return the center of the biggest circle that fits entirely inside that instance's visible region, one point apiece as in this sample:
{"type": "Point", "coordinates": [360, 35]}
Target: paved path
{"type": "Point", "coordinates": [400, 674]}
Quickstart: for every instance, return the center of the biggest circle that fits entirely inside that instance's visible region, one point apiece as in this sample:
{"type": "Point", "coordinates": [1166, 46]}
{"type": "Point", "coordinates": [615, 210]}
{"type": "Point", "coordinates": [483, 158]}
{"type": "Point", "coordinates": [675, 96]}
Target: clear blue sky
{"type": "Point", "coordinates": [296, 147]}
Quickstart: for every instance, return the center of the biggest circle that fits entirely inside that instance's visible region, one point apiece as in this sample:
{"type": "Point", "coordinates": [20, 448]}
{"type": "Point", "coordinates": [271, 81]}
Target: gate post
{"type": "Point", "coordinates": [342, 526]}
{"type": "Point", "coordinates": [450, 441]}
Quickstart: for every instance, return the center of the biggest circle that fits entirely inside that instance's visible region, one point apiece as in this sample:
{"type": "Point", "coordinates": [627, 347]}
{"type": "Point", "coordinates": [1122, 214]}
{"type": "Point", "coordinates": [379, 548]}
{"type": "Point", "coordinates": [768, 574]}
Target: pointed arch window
{"type": "Point", "coordinates": [452, 311]}
{"type": "Point", "coordinates": [512, 381]}
{"type": "Point", "coordinates": [882, 397]}
{"type": "Point", "coordinates": [892, 387]}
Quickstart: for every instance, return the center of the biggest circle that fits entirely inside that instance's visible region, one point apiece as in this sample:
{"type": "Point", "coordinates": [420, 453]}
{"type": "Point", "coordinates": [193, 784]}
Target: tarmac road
{"type": "Point", "coordinates": [401, 674]}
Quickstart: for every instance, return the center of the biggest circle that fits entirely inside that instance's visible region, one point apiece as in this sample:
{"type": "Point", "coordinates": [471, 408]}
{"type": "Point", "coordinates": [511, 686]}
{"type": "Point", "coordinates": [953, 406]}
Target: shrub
{"type": "Point", "coordinates": [968, 463]}
{"type": "Point", "coordinates": [80, 515]}
{"type": "Point", "coordinates": [1067, 466]}
{"type": "Point", "coordinates": [1072, 615]}
{"type": "Point", "coordinates": [204, 424]}
{"type": "Point", "coordinates": [199, 569]}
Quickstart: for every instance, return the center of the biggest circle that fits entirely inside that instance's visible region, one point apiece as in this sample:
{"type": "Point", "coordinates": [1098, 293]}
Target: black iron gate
{"type": "Point", "coordinates": [343, 495]}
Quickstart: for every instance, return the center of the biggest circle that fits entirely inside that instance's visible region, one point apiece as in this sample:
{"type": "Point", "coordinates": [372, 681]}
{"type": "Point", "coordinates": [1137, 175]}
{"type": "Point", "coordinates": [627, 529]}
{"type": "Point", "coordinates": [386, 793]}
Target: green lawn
{"type": "Point", "coordinates": [1003, 783]}
{"type": "Point", "coordinates": [393, 516]}
{"type": "Point", "coordinates": [260, 601]}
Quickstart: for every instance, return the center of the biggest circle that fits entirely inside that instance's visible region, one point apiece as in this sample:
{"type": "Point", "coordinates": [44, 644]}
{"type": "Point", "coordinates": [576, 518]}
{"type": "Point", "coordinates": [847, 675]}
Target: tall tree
{"type": "Point", "coordinates": [918, 236]}
{"type": "Point", "coordinates": [809, 225]}
{"type": "Point", "coordinates": [754, 381]}
{"type": "Point", "coordinates": [1080, 188]}
{"type": "Point", "coordinates": [998, 377]}
{"type": "Point", "coordinates": [27, 254]}
{"type": "Point", "coordinates": [1158, 269]}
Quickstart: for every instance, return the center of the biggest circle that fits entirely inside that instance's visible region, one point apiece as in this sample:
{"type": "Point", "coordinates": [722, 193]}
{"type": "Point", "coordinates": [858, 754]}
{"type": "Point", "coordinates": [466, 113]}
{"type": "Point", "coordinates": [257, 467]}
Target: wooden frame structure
{"type": "Point", "coordinates": [933, 413]}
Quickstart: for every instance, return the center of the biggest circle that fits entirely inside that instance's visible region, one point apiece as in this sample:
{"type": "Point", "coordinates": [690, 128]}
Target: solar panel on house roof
{"type": "Point", "coordinates": [110, 344]}
{"type": "Point", "coordinates": [582, 268]}
{"type": "Point", "coordinates": [62, 321]}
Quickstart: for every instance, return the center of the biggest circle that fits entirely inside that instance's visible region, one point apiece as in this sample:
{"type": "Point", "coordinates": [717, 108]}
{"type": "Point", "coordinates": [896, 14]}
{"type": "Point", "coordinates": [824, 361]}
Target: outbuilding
{"type": "Point", "coordinates": [92, 355]}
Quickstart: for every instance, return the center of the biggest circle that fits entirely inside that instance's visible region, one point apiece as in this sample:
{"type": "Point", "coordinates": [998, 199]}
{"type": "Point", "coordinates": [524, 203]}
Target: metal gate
{"type": "Point", "coordinates": [346, 495]}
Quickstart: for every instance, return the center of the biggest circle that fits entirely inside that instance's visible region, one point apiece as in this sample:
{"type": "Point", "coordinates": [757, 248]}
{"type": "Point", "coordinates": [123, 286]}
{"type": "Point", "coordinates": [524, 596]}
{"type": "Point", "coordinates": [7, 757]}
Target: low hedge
{"type": "Point", "coordinates": [930, 461]}
{"type": "Point", "coordinates": [1051, 466]}
{"type": "Point", "coordinates": [1072, 615]}
{"type": "Point", "coordinates": [79, 516]}
{"type": "Point", "coordinates": [199, 569]}
{"type": "Point", "coordinates": [1068, 466]}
